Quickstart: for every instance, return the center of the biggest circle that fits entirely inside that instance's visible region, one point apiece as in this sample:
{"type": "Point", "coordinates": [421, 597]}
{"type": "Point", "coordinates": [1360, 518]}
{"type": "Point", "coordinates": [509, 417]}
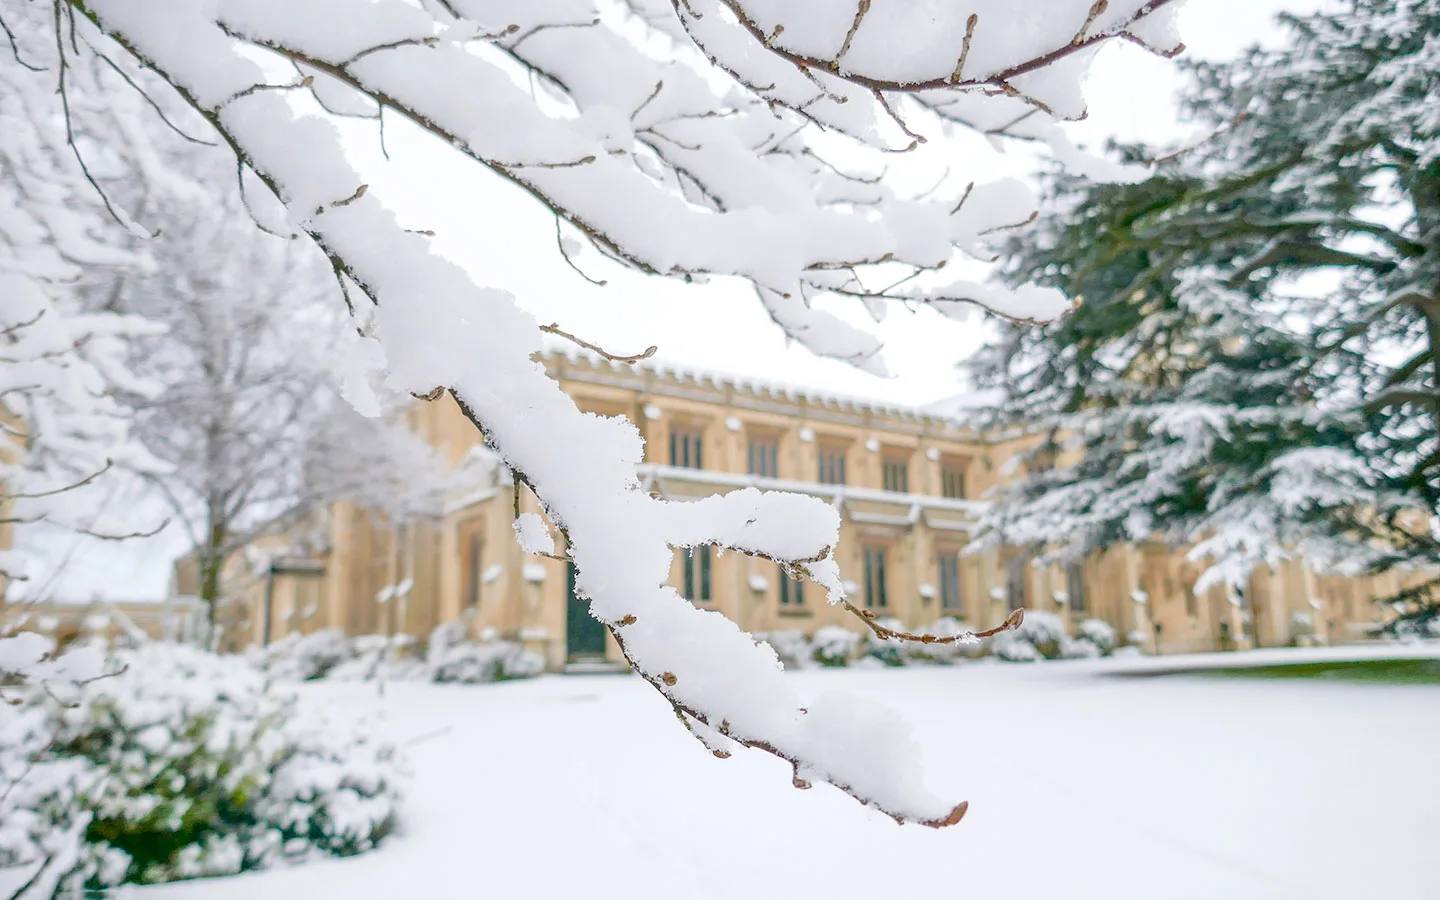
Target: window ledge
{"type": "Point", "coordinates": [796, 613]}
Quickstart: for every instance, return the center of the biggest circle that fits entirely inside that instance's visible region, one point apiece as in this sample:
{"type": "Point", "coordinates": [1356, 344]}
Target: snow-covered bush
{"type": "Point", "coordinates": [833, 646]}
{"type": "Point", "coordinates": [945, 627]}
{"type": "Point", "coordinates": [303, 657]}
{"type": "Point", "coordinates": [791, 647]}
{"type": "Point", "coordinates": [1078, 648]}
{"type": "Point", "coordinates": [183, 764]}
{"type": "Point", "coordinates": [1038, 637]}
{"type": "Point", "coordinates": [887, 651]}
{"type": "Point", "coordinates": [1010, 647]}
{"type": "Point", "coordinates": [1098, 632]}
{"type": "Point", "coordinates": [379, 657]}
{"type": "Point", "coordinates": [451, 658]}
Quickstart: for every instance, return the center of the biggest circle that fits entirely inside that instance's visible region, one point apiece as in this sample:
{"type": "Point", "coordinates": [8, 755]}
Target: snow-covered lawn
{"type": "Point", "coordinates": [1080, 786]}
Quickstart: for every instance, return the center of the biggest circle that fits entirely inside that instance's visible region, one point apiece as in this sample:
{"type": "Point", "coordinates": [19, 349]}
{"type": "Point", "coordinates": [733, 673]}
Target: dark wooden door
{"type": "Point", "coordinates": [584, 635]}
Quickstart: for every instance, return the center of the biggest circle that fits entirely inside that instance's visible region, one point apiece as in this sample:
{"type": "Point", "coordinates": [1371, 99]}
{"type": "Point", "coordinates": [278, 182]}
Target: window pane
{"type": "Point", "coordinates": [792, 592]}
{"type": "Point", "coordinates": [875, 595]}
{"type": "Point", "coordinates": [1075, 586]}
{"type": "Point", "coordinates": [689, 575]}
{"type": "Point", "coordinates": [880, 578]}
{"type": "Point", "coordinates": [949, 580]}
{"type": "Point", "coordinates": [473, 576]}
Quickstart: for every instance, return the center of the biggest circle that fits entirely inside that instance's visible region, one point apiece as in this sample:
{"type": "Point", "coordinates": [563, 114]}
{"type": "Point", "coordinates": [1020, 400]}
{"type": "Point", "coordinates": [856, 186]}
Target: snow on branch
{"type": "Point", "coordinates": [886, 46]}
{"type": "Point", "coordinates": [658, 164]}
{"type": "Point", "coordinates": [664, 165]}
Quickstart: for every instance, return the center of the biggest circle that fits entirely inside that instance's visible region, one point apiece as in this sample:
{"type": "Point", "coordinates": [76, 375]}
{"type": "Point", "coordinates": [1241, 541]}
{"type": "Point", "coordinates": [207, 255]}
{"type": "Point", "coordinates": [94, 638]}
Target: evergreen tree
{"type": "Point", "coordinates": [1253, 368]}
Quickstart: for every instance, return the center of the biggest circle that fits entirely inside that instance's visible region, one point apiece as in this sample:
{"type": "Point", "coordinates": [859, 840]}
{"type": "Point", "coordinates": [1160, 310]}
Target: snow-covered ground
{"type": "Point", "coordinates": [1080, 786]}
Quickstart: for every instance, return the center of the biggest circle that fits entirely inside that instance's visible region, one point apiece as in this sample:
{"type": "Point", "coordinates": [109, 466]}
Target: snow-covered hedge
{"type": "Point", "coordinates": [378, 657]}
{"type": "Point", "coordinates": [791, 647]}
{"type": "Point", "coordinates": [1038, 637]}
{"type": "Point", "coordinates": [1042, 636]}
{"type": "Point", "coordinates": [888, 652]}
{"type": "Point", "coordinates": [832, 646]}
{"type": "Point", "coordinates": [1098, 632]}
{"type": "Point", "coordinates": [182, 764]}
{"type": "Point", "coordinates": [303, 657]}
{"type": "Point", "coordinates": [944, 654]}
{"type": "Point", "coordinates": [454, 659]}
{"type": "Point", "coordinates": [449, 657]}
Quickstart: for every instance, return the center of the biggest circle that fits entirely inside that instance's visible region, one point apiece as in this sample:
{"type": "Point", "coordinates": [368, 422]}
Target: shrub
{"type": "Point", "coordinates": [303, 657]}
{"type": "Point", "coordinates": [792, 648]}
{"type": "Point", "coordinates": [944, 654]}
{"type": "Point", "coordinates": [887, 651]}
{"type": "Point", "coordinates": [833, 646]}
{"type": "Point", "coordinates": [1039, 636]}
{"type": "Point", "coordinates": [379, 657]}
{"type": "Point", "coordinates": [1099, 633]}
{"type": "Point", "coordinates": [1078, 648]}
{"type": "Point", "coordinates": [451, 658]}
{"type": "Point", "coordinates": [184, 764]}
{"type": "Point", "coordinates": [1012, 647]}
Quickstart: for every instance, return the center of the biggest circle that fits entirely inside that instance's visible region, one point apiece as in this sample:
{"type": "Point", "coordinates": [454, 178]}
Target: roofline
{"type": "Point", "coordinates": [755, 387]}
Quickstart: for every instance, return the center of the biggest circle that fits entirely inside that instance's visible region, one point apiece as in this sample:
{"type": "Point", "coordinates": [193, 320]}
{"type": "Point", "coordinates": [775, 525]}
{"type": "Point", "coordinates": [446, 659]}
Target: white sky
{"type": "Point", "coordinates": [507, 240]}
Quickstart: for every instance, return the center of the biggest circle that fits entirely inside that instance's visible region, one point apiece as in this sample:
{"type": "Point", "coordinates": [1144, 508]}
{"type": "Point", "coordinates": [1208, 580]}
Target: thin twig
{"type": "Point", "coordinates": [148, 99]}
{"type": "Point", "coordinates": [245, 202]}
{"type": "Point", "coordinates": [860, 11]}
{"type": "Point", "coordinates": [554, 329]}
{"type": "Point", "coordinates": [69, 487]}
{"type": "Point", "coordinates": [560, 243]}
{"type": "Point", "coordinates": [15, 48]}
{"type": "Point", "coordinates": [69, 125]}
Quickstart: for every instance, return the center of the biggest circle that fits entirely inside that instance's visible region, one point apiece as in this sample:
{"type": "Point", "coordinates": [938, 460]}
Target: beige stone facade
{"type": "Point", "coordinates": [905, 482]}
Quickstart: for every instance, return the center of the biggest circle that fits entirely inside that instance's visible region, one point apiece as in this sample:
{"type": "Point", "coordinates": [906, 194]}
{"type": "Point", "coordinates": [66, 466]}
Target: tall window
{"type": "Point", "coordinates": [949, 565]}
{"type": "Point", "coordinates": [687, 448]}
{"type": "Point", "coordinates": [1015, 581]}
{"type": "Point", "coordinates": [697, 574]}
{"type": "Point", "coordinates": [895, 475]}
{"type": "Point", "coordinates": [875, 593]}
{"type": "Point", "coordinates": [792, 592]}
{"type": "Point", "coordinates": [1075, 586]}
{"type": "Point", "coordinates": [952, 481]}
{"type": "Point", "coordinates": [832, 465]}
{"type": "Point", "coordinates": [474, 574]}
{"type": "Point", "coordinates": [763, 457]}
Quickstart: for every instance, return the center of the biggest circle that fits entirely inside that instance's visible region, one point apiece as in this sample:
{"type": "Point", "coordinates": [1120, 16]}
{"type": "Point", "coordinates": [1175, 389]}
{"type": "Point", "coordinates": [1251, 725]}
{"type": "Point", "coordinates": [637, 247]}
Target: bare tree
{"type": "Point", "coordinates": [246, 416]}
{"type": "Point", "coordinates": [62, 431]}
{"type": "Point", "coordinates": [680, 140]}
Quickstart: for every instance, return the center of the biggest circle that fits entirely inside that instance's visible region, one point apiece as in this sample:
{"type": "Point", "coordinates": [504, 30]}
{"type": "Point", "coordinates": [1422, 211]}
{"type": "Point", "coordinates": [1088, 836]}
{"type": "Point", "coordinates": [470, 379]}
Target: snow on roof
{"type": "Point", "coordinates": [958, 406]}
{"type": "Point", "coordinates": [681, 374]}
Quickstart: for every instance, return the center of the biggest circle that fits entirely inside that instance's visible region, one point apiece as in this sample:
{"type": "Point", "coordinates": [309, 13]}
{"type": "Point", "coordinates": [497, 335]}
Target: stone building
{"type": "Point", "coordinates": [906, 482]}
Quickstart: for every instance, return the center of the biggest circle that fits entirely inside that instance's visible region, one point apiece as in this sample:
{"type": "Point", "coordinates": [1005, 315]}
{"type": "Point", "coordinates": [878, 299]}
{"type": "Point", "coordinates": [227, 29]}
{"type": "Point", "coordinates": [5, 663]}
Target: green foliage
{"type": "Point", "coordinates": [186, 765]}
{"type": "Point", "coordinates": [1252, 370]}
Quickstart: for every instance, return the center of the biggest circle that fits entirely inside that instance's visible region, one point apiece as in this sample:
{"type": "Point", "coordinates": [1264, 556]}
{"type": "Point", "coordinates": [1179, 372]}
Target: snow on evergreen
{"type": "Point", "coordinates": [1251, 377]}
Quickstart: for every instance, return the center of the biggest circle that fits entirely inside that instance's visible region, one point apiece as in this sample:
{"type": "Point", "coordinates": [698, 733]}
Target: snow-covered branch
{"type": "Point", "coordinates": [752, 198]}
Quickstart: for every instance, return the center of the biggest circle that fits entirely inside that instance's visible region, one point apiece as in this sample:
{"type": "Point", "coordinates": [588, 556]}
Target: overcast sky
{"type": "Point", "coordinates": [505, 239]}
